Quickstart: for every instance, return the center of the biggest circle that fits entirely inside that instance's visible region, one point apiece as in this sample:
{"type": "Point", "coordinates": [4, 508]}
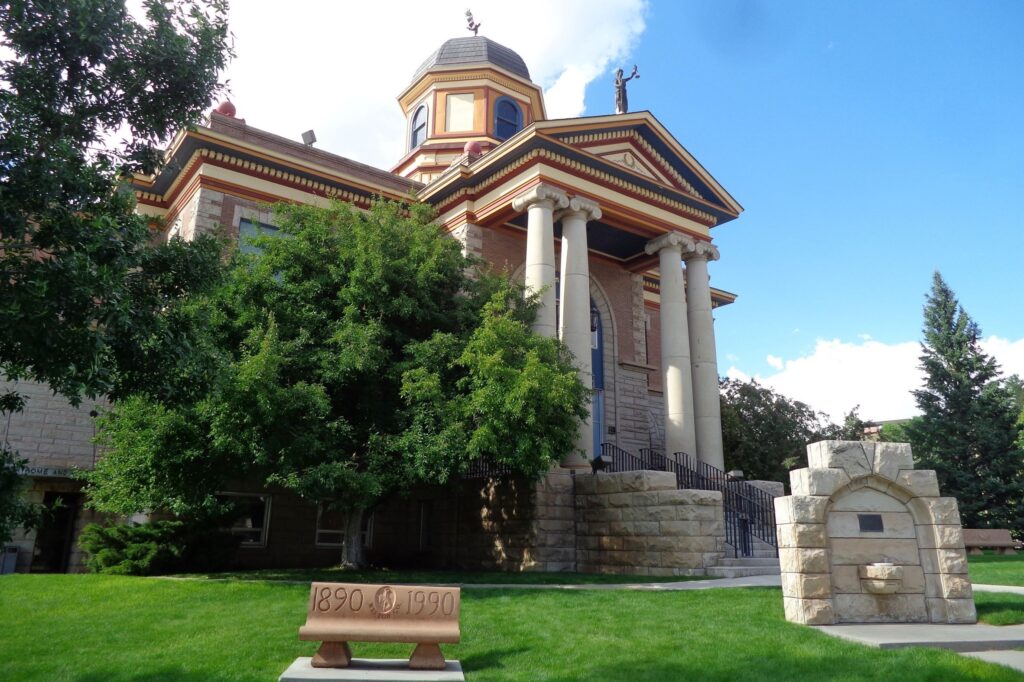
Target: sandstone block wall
{"type": "Point", "coordinates": [866, 538]}
{"type": "Point", "coordinates": [50, 432]}
{"type": "Point", "coordinates": [639, 523]}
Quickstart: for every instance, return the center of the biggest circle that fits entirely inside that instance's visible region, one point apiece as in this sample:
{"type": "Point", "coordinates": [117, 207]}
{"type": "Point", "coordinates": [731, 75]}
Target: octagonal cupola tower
{"type": "Point", "coordinates": [470, 94]}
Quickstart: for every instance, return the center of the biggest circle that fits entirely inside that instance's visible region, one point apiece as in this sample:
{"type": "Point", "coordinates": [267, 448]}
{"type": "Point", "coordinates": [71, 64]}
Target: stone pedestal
{"type": "Point", "coordinates": [378, 669]}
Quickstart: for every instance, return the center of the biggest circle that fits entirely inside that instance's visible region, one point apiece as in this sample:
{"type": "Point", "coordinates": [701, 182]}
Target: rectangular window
{"type": "Point", "coordinates": [249, 230]}
{"type": "Point", "coordinates": [459, 113]}
{"type": "Point", "coordinates": [250, 519]}
{"type": "Point", "coordinates": [330, 526]}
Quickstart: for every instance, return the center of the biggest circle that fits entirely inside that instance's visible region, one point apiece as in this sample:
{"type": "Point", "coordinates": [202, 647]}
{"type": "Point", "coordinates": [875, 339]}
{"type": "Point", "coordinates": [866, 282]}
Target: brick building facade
{"type": "Point", "coordinates": [589, 211]}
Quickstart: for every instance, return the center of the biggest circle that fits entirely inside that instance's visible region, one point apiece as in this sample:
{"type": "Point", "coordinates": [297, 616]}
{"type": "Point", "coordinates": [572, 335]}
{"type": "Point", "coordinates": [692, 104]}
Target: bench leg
{"type": "Point", "coordinates": [332, 655]}
{"type": "Point", "coordinates": [426, 657]}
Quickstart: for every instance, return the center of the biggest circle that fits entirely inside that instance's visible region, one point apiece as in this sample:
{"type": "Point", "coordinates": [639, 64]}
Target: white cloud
{"type": "Point", "coordinates": [879, 377]}
{"type": "Point", "coordinates": [1009, 354]}
{"type": "Point", "coordinates": [338, 67]}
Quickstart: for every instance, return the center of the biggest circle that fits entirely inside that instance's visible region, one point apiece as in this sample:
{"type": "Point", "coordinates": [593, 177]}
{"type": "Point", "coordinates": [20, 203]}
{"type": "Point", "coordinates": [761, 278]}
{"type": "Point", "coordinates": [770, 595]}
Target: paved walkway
{"type": "Point", "coordinates": [752, 581]}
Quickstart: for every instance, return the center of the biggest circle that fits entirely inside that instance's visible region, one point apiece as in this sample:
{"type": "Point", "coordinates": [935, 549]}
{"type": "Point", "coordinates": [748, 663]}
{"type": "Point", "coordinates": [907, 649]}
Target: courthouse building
{"type": "Point", "coordinates": [608, 216]}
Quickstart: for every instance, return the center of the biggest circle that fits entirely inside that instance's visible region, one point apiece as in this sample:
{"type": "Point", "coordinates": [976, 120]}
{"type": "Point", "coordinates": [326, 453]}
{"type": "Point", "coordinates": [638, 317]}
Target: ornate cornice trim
{"type": "Point", "coordinates": [580, 168]}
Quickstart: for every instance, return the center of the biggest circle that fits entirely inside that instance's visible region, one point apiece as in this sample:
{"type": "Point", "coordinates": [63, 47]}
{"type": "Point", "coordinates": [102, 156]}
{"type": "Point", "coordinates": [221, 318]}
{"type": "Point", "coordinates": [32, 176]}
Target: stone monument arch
{"type": "Point", "coordinates": [866, 538]}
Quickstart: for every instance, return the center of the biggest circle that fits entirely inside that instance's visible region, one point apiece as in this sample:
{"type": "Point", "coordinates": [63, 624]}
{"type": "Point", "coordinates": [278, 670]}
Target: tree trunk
{"type": "Point", "coordinates": [353, 554]}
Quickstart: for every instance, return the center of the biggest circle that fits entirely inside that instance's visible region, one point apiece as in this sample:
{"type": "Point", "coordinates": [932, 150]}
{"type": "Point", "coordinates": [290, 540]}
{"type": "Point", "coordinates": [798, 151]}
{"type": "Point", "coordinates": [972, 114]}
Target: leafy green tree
{"type": "Point", "coordinates": [361, 353]}
{"type": "Point", "coordinates": [764, 433]}
{"type": "Point", "coordinates": [84, 293]}
{"type": "Point", "coordinates": [899, 431]}
{"type": "Point", "coordinates": [852, 427]}
{"type": "Point", "coordinates": [88, 304]}
{"type": "Point", "coordinates": [968, 427]}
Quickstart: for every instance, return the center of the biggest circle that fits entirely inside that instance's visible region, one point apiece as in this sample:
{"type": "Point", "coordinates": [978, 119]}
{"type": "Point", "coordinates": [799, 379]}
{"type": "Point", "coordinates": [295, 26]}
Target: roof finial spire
{"type": "Point", "coordinates": [470, 24]}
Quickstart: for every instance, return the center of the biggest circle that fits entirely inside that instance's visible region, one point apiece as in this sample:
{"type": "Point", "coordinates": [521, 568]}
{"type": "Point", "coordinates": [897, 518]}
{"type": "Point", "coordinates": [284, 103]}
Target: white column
{"type": "Point", "coordinates": [677, 382]}
{"type": "Point", "coordinates": [707, 411]}
{"type": "Point", "coordinates": [574, 325]}
{"type": "Point", "coordinates": [540, 202]}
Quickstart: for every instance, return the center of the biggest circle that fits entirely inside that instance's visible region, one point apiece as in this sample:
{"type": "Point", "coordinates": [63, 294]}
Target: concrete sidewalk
{"type": "Point", "coordinates": [751, 581]}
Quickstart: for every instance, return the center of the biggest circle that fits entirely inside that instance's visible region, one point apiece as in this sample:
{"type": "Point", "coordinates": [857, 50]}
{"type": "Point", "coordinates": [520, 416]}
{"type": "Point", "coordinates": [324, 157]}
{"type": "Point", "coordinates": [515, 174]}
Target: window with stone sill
{"type": "Point", "coordinates": [250, 517]}
{"type": "Point", "coordinates": [330, 526]}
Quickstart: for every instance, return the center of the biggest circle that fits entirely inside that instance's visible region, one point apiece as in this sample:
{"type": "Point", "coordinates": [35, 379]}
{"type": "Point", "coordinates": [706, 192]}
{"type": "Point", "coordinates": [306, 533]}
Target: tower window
{"type": "Point", "coordinates": [419, 127]}
{"type": "Point", "coordinates": [508, 119]}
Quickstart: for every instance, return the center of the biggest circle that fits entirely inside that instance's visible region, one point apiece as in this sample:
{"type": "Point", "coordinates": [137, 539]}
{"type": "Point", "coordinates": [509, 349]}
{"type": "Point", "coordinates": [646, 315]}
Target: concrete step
{"type": "Point", "coordinates": [741, 571]}
{"type": "Point", "coordinates": [749, 561]}
{"type": "Point", "coordinates": [756, 554]}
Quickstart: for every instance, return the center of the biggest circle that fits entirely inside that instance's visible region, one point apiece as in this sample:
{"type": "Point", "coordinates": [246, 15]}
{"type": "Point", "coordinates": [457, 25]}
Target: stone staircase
{"type": "Point", "coordinates": [744, 567]}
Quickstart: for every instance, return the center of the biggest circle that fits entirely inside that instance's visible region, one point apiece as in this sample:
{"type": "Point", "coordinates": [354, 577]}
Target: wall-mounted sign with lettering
{"type": "Point", "coordinates": [47, 472]}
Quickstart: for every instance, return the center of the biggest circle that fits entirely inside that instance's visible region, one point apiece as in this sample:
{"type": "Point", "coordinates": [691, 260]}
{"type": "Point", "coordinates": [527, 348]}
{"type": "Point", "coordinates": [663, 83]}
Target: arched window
{"type": "Point", "coordinates": [508, 118]}
{"type": "Point", "coordinates": [419, 127]}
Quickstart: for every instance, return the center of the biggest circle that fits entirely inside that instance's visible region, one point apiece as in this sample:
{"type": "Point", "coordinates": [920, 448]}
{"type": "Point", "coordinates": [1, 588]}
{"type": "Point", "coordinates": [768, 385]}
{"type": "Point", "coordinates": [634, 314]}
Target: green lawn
{"type": "Point", "coordinates": [93, 628]}
{"type": "Point", "coordinates": [997, 569]}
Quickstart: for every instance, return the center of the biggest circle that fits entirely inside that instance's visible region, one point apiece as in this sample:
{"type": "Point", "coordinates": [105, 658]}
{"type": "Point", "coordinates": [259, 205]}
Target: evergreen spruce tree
{"type": "Point", "coordinates": [968, 430]}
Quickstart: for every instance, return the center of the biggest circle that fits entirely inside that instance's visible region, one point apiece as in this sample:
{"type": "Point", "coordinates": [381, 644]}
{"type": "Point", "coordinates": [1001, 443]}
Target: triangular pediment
{"type": "Point", "coordinates": [633, 155]}
{"type": "Point", "coordinates": [640, 146]}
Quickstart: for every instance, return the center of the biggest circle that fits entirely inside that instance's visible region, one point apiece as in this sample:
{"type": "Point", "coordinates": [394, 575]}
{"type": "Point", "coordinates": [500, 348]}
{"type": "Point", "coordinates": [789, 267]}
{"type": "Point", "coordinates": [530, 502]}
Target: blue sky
{"type": "Point", "coordinates": [871, 143]}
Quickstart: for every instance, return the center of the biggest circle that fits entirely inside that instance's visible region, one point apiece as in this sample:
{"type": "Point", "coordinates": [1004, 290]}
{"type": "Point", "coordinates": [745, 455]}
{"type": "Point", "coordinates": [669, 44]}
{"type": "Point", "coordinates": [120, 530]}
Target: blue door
{"type": "Point", "coordinates": [597, 366]}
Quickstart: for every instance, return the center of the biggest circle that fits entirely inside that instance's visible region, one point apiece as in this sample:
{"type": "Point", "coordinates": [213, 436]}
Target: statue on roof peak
{"type": "Point", "coordinates": [621, 101]}
{"type": "Point", "coordinates": [470, 24]}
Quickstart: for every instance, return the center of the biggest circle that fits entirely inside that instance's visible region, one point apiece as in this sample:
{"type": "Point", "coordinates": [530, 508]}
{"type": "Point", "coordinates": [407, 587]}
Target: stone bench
{"type": "Point", "coordinates": [976, 539]}
{"type": "Point", "coordinates": [343, 612]}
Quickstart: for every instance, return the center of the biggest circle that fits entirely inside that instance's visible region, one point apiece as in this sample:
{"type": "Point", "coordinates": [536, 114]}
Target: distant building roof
{"type": "Point", "coordinates": [474, 50]}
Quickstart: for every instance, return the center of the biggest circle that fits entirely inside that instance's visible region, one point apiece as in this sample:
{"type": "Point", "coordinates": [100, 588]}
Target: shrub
{"type": "Point", "coordinates": [157, 548]}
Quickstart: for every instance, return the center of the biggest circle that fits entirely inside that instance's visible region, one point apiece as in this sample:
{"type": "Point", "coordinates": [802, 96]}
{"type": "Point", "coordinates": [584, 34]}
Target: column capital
{"type": "Point", "coordinates": [541, 194]}
{"type": "Point", "coordinates": [702, 250]}
{"type": "Point", "coordinates": [582, 207]}
{"type": "Point", "coordinates": [673, 240]}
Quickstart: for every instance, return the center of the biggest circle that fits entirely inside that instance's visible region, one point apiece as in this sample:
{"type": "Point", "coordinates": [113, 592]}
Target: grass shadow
{"type": "Point", "coordinates": [999, 608]}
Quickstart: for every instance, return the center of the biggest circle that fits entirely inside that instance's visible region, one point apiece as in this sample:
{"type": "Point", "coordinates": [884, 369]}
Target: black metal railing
{"type": "Point", "coordinates": [617, 460]}
{"type": "Point", "coordinates": [486, 467]}
{"type": "Point", "coordinates": [749, 511]}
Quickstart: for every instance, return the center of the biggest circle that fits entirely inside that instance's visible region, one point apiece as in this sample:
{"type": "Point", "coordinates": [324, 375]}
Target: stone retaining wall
{"type": "Point", "coordinates": [638, 523]}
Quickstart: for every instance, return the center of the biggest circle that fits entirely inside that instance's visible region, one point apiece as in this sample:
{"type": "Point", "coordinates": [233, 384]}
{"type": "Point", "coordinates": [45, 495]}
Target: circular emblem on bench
{"type": "Point", "coordinates": [384, 601]}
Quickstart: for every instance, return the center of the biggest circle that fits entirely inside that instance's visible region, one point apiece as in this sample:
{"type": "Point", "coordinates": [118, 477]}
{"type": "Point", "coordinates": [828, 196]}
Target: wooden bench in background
{"type": "Point", "coordinates": [340, 613]}
{"type": "Point", "coordinates": [976, 539]}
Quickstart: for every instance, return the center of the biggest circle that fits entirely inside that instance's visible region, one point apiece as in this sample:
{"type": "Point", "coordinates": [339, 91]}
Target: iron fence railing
{"type": "Point", "coordinates": [749, 511]}
{"type": "Point", "coordinates": [618, 460]}
{"type": "Point", "coordinates": [486, 467]}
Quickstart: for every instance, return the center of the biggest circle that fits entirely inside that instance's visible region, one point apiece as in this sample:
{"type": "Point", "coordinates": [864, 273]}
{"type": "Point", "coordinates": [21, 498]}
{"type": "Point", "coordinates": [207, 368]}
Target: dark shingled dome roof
{"type": "Point", "coordinates": [474, 50]}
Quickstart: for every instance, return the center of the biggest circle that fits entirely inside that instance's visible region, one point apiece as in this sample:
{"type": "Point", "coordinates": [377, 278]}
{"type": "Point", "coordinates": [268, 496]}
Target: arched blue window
{"type": "Point", "coordinates": [508, 118]}
{"type": "Point", "coordinates": [419, 127]}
